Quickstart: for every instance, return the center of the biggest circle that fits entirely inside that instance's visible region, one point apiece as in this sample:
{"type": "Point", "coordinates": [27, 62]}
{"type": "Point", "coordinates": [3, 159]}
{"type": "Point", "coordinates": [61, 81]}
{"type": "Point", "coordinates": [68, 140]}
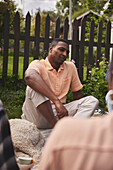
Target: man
{"type": "Point", "coordinates": [109, 79]}
{"type": "Point", "coordinates": [48, 83]}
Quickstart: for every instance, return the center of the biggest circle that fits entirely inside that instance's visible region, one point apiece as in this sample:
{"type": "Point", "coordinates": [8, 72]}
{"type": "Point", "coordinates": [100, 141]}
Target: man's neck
{"type": "Point", "coordinates": [54, 65]}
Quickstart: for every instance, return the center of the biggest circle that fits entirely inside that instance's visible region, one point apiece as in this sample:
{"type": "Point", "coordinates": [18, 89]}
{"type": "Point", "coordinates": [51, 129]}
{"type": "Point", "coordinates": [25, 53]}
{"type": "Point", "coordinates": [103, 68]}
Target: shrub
{"type": "Point", "coordinates": [95, 85]}
{"type": "Point", "coordinates": [12, 96]}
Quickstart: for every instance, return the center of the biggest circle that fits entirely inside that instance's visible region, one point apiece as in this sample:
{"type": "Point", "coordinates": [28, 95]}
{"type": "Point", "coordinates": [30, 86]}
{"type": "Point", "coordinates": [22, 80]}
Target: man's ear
{"type": "Point", "coordinates": [50, 49]}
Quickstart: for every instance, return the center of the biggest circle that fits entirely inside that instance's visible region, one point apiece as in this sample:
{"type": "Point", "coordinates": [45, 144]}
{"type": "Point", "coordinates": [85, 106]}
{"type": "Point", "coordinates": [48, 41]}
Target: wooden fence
{"type": "Point", "coordinates": [77, 46]}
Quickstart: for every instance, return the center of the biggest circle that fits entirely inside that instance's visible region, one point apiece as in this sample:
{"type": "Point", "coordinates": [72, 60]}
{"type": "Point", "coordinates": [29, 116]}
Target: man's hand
{"type": "Point", "coordinates": [61, 110]}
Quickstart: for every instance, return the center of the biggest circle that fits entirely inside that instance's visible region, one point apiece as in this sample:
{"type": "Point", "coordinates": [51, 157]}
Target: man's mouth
{"type": "Point", "coordinates": [62, 58]}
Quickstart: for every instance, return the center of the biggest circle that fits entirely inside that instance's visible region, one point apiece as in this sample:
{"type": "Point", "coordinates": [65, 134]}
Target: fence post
{"type": "Point", "coordinates": [81, 58]}
{"type": "Point", "coordinates": [6, 45]}
{"type": "Point", "coordinates": [46, 40]}
{"type": "Point", "coordinates": [90, 51]}
{"type": "Point", "coordinates": [74, 54]}
{"type": "Point", "coordinates": [27, 40]}
{"type": "Point", "coordinates": [37, 36]}
{"type": "Point", "coordinates": [16, 43]}
{"type": "Point", "coordinates": [57, 28]}
{"type": "Point", "coordinates": [107, 40]}
{"type": "Point", "coordinates": [100, 30]}
{"type": "Point", "coordinates": [66, 28]}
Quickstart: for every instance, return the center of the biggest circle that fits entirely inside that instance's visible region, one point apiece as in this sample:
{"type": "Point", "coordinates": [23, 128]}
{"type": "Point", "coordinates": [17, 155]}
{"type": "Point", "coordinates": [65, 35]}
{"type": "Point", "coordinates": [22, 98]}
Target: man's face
{"type": "Point", "coordinates": [59, 52]}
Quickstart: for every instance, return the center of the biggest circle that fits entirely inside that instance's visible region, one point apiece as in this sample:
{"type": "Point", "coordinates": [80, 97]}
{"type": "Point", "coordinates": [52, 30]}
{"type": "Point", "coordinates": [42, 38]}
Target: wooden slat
{"type": "Point", "coordinates": [37, 36]}
{"type": "Point", "coordinates": [90, 50]}
{"type": "Point", "coordinates": [74, 52]}
{"type": "Point", "coordinates": [6, 44]}
{"type": "Point", "coordinates": [47, 30]}
{"type": "Point", "coordinates": [66, 28]}
{"type": "Point", "coordinates": [27, 41]}
{"type": "Point", "coordinates": [57, 28]}
{"type": "Point", "coordinates": [107, 40]}
{"type": "Point", "coordinates": [81, 58]}
{"type": "Point", "coordinates": [99, 40]}
{"type": "Point", "coordinates": [16, 43]}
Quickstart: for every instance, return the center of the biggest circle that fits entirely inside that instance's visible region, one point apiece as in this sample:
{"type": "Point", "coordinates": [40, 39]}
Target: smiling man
{"type": "Point", "coordinates": [48, 82]}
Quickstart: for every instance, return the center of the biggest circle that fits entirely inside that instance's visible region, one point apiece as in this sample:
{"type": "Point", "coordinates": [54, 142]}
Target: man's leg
{"type": "Point", "coordinates": [46, 110]}
{"type": "Point", "coordinates": [37, 109]}
{"type": "Point", "coordinates": [83, 107]}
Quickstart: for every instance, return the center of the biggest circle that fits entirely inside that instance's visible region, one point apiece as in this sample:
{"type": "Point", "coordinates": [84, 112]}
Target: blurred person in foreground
{"type": "Point", "coordinates": [81, 144]}
{"type": "Point", "coordinates": [48, 82]}
{"type": "Point", "coordinates": [7, 155]}
{"type": "Point", "coordinates": [109, 95]}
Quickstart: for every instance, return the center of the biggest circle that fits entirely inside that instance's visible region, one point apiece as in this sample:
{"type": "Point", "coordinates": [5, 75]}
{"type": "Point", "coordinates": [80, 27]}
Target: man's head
{"type": "Point", "coordinates": [56, 40]}
{"type": "Point", "coordinates": [58, 52]}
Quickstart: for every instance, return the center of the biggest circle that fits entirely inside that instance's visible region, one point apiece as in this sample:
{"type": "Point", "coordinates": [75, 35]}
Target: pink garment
{"type": "Point", "coordinates": [80, 144]}
{"type": "Point", "coordinates": [58, 81]}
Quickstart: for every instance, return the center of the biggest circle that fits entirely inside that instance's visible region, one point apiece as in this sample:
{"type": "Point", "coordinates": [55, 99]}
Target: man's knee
{"type": "Point", "coordinates": [93, 100]}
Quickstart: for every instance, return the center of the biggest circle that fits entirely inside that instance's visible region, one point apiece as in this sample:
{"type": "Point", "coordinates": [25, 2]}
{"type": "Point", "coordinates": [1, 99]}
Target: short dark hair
{"type": "Point", "coordinates": [56, 40]}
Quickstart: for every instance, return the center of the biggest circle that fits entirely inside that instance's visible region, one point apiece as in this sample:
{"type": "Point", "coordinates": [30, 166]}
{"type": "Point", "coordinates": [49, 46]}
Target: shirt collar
{"type": "Point", "coordinates": [49, 66]}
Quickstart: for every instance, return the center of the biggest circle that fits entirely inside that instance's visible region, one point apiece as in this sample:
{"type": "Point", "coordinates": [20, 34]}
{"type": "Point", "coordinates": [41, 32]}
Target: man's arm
{"type": "Point", "coordinates": [77, 95]}
{"type": "Point", "coordinates": [35, 81]}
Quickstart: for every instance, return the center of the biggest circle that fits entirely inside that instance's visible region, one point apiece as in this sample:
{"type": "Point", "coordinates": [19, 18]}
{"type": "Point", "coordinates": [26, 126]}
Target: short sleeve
{"type": "Point", "coordinates": [75, 82]}
{"type": "Point", "coordinates": [36, 65]}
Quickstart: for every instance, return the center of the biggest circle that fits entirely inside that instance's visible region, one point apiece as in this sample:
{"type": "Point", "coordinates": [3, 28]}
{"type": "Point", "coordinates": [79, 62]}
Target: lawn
{"type": "Point", "coordinates": [10, 65]}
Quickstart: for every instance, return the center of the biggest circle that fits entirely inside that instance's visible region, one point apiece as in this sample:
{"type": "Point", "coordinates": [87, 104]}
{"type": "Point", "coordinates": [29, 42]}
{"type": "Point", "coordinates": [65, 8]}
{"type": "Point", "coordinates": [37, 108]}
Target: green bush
{"type": "Point", "coordinates": [96, 85]}
{"type": "Point", "coordinates": [12, 94]}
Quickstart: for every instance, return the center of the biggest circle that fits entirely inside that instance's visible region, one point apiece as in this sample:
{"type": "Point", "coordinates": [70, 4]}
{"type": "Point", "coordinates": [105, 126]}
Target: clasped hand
{"type": "Point", "coordinates": [61, 110]}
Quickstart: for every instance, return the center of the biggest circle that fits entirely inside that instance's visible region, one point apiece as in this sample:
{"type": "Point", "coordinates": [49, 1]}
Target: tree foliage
{"type": "Point", "coordinates": [109, 11]}
{"type": "Point", "coordinates": [63, 7]}
{"type": "Point", "coordinates": [4, 6]}
{"type": "Point", "coordinates": [12, 8]}
{"type": "Point", "coordinates": [81, 5]}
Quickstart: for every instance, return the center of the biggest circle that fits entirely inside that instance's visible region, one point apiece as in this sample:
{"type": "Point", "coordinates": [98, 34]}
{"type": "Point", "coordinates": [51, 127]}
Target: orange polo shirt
{"type": "Point", "coordinates": [58, 81]}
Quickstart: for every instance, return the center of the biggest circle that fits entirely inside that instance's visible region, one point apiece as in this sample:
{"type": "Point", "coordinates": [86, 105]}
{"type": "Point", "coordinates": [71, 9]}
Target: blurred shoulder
{"type": "Point", "coordinates": [70, 65]}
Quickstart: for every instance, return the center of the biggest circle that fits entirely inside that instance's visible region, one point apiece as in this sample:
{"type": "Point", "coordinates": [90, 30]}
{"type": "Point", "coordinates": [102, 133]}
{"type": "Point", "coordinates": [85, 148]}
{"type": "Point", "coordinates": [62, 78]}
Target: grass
{"type": "Point", "coordinates": [10, 65]}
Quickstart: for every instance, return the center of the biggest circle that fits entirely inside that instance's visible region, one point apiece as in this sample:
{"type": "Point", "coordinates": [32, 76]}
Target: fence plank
{"type": "Point", "coordinates": [99, 40]}
{"type": "Point", "coordinates": [81, 59]}
{"type": "Point", "coordinates": [107, 40]}
{"type": "Point", "coordinates": [6, 44]}
{"type": "Point", "coordinates": [74, 53]}
{"type": "Point", "coordinates": [37, 36]}
{"type": "Point", "coordinates": [66, 28]}
{"type": "Point", "coordinates": [47, 30]}
{"type": "Point", "coordinates": [16, 43]}
{"type": "Point", "coordinates": [90, 50]}
{"type": "Point", "coordinates": [57, 28]}
{"type": "Point", "coordinates": [27, 41]}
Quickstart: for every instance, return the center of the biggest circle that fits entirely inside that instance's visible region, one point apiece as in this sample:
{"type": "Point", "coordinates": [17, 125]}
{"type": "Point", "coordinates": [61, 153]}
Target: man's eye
{"type": "Point", "coordinates": [62, 50]}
